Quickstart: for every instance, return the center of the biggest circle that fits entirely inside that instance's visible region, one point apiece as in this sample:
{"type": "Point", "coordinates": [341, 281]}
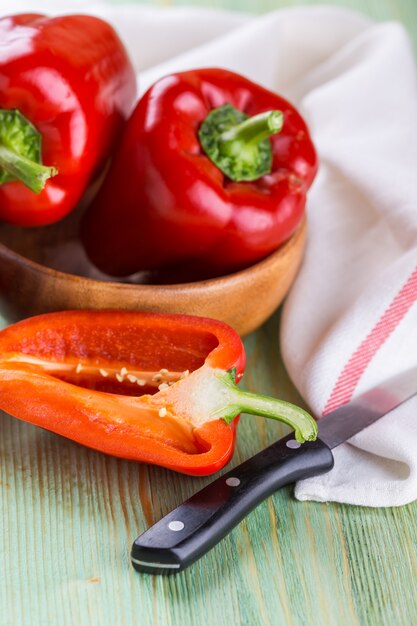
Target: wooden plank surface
{"type": "Point", "coordinates": [68, 517]}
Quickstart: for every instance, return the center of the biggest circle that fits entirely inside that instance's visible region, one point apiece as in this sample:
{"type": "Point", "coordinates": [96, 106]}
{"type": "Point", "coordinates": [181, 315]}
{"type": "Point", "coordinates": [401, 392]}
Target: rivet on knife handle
{"type": "Point", "coordinates": [197, 525]}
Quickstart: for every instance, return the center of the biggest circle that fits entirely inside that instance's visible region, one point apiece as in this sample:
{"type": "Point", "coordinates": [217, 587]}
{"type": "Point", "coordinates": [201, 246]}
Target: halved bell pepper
{"type": "Point", "coordinates": [154, 388]}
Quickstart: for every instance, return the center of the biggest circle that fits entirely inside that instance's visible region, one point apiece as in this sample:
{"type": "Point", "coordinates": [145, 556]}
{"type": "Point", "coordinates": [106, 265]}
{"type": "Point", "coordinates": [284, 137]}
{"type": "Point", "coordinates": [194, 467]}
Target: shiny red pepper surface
{"type": "Point", "coordinates": [165, 204]}
{"type": "Point", "coordinates": [71, 78]}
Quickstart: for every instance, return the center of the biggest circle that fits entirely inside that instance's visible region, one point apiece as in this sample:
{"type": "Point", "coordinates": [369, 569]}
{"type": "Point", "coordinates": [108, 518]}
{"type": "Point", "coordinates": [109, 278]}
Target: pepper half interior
{"type": "Point", "coordinates": [124, 362]}
{"type": "Point", "coordinates": [129, 361]}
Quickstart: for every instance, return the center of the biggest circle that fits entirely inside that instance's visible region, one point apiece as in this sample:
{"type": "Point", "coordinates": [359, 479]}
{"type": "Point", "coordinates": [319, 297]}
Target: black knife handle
{"type": "Point", "coordinates": [197, 525]}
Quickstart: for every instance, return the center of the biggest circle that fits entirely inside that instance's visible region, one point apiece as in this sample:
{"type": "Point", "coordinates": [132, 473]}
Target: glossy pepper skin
{"type": "Point", "coordinates": [71, 78]}
{"type": "Point", "coordinates": [165, 204]}
{"type": "Point", "coordinates": [146, 387]}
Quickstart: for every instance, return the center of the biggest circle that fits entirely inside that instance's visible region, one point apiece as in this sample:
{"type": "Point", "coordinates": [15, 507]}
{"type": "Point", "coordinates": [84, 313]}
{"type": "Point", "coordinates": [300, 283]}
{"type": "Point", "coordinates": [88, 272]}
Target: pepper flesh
{"type": "Point", "coordinates": [101, 412]}
{"type": "Point", "coordinates": [166, 206]}
{"type": "Point", "coordinates": [78, 373]}
{"type": "Point", "coordinates": [69, 77]}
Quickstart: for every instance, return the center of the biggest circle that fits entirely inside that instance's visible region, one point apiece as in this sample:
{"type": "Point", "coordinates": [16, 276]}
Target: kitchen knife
{"type": "Point", "coordinates": [193, 528]}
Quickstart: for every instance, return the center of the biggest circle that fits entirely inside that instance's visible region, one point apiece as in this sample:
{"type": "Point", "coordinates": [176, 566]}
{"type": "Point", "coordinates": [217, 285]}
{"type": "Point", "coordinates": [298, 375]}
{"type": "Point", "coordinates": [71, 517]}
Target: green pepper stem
{"type": "Point", "coordinates": [239, 145]}
{"type": "Point", "coordinates": [32, 174]}
{"type": "Point", "coordinates": [304, 425]}
{"type": "Point", "coordinates": [251, 131]}
{"type": "Point", "coordinates": [240, 401]}
{"type": "Point", "coordinates": [209, 394]}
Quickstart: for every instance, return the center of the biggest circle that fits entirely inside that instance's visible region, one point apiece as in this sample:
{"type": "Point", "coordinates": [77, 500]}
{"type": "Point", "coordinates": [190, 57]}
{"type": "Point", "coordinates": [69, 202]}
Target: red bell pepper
{"type": "Point", "coordinates": [210, 176]}
{"type": "Point", "coordinates": [66, 88]}
{"type": "Point", "coordinates": [91, 376]}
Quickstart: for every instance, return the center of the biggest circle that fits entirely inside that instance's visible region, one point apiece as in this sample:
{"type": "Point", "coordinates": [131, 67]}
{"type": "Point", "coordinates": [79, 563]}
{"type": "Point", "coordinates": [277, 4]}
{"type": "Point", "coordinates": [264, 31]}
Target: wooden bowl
{"type": "Point", "coordinates": [32, 281]}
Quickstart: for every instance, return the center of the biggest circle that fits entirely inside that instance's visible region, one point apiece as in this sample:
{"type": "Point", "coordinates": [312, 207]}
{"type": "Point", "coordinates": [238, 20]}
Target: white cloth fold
{"type": "Point", "coordinates": [350, 320]}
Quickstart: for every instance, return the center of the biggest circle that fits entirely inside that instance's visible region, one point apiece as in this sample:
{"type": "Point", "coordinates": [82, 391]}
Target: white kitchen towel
{"type": "Point", "coordinates": [350, 320]}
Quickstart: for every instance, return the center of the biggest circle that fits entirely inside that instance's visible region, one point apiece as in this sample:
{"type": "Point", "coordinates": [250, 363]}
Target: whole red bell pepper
{"type": "Point", "coordinates": [210, 176]}
{"type": "Point", "coordinates": [147, 387]}
{"type": "Point", "coordinates": [66, 88]}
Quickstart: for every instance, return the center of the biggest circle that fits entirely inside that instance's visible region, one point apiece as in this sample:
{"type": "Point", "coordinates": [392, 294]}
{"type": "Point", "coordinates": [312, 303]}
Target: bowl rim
{"type": "Point", "coordinates": [264, 263]}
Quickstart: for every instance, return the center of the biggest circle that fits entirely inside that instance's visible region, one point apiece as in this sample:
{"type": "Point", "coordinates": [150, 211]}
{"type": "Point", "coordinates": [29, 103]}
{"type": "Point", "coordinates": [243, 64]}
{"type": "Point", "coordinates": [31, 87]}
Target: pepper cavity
{"type": "Point", "coordinates": [105, 377]}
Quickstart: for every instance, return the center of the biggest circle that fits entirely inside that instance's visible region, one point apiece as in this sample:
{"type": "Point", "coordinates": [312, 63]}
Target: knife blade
{"type": "Point", "coordinates": [193, 528]}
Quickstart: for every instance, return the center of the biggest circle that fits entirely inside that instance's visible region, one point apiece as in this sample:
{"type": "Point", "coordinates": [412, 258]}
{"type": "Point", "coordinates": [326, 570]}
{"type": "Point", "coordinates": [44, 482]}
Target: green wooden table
{"type": "Point", "coordinates": [68, 517]}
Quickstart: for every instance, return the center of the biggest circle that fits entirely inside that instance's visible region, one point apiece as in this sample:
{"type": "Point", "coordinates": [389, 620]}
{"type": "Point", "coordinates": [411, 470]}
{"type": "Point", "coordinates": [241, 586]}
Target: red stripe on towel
{"type": "Point", "coordinates": [360, 359]}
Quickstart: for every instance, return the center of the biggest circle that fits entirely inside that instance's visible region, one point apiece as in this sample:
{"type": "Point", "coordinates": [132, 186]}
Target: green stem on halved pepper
{"type": "Point", "coordinates": [209, 393]}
